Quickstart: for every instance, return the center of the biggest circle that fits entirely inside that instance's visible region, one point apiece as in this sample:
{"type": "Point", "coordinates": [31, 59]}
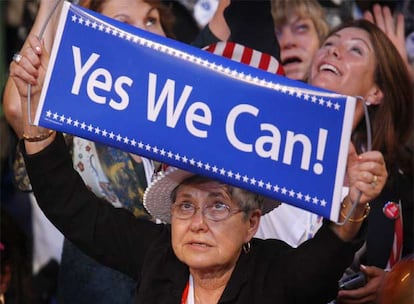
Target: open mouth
{"type": "Point", "coordinates": [291, 60]}
{"type": "Point", "coordinates": [329, 68]}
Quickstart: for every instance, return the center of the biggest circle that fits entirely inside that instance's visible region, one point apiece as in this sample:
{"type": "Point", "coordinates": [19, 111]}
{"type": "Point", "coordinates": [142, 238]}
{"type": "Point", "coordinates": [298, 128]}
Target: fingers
{"type": "Point", "coordinates": [365, 294]}
{"type": "Point", "coordinates": [373, 271]}
{"type": "Point", "coordinates": [367, 175]}
{"type": "Point", "coordinates": [400, 30]}
{"type": "Point", "coordinates": [25, 71]}
{"type": "Point", "coordinates": [383, 18]}
{"type": "Point", "coordinates": [388, 20]}
{"type": "Point", "coordinates": [368, 16]}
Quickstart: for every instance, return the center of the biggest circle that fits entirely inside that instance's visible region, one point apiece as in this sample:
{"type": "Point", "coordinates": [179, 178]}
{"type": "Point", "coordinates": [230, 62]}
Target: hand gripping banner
{"type": "Point", "coordinates": [149, 95]}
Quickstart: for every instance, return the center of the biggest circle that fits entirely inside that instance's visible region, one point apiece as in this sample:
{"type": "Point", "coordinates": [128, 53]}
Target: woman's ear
{"type": "Point", "coordinates": [375, 96]}
{"type": "Point", "coordinates": [253, 222]}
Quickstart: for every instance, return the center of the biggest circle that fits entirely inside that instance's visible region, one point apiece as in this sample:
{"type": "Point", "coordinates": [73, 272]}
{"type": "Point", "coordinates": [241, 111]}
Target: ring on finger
{"type": "Point", "coordinates": [17, 58]}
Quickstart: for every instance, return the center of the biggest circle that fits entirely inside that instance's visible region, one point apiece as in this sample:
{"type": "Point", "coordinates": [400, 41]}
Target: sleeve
{"type": "Point", "coordinates": [317, 264]}
{"type": "Point", "coordinates": [112, 236]}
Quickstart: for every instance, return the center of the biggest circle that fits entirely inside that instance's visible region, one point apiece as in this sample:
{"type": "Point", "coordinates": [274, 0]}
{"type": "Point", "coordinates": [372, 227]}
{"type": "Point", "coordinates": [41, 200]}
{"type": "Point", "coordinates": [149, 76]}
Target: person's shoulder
{"type": "Point", "coordinates": [270, 247]}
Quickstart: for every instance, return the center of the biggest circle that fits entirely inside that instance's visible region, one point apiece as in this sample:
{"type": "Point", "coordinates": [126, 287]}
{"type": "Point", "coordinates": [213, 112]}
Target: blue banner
{"type": "Point", "coordinates": [116, 84]}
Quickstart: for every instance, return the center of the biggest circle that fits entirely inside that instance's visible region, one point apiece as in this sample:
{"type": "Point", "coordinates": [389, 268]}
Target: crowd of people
{"type": "Point", "coordinates": [230, 251]}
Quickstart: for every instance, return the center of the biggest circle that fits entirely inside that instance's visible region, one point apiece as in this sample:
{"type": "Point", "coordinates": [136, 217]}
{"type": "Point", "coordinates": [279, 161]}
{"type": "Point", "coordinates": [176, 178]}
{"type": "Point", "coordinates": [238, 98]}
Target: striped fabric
{"type": "Point", "coordinates": [243, 54]}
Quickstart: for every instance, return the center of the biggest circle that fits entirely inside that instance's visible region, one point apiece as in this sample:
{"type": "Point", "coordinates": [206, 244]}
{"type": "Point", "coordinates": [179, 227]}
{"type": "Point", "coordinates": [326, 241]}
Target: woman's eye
{"type": "Point", "coordinates": [150, 21]}
{"type": "Point", "coordinates": [219, 206]}
{"type": "Point", "coordinates": [301, 28]}
{"type": "Point", "coordinates": [186, 206]}
{"type": "Point", "coordinates": [327, 43]}
{"type": "Point", "coordinates": [356, 50]}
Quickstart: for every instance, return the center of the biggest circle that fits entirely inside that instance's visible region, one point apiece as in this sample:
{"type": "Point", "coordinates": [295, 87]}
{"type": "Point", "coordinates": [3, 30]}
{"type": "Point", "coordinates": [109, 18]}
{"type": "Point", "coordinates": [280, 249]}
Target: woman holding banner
{"type": "Point", "coordinates": [117, 176]}
{"type": "Point", "coordinates": [359, 60]}
{"type": "Point", "coordinates": [198, 257]}
{"type": "Point", "coordinates": [393, 210]}
{"type": "Point", "coordinates": [343, 66]}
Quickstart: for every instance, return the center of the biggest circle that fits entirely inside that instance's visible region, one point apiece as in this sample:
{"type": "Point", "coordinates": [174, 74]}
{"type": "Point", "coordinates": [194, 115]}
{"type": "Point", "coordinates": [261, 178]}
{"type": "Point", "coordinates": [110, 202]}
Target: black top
{"type": "Point", "coordinates": [271, 271]}
{"type": "Point", "coordinates": [380, 232]}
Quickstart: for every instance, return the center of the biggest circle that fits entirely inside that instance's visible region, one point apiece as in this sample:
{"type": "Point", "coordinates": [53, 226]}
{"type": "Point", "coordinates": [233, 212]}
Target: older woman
{"type": "Point", "coordinates": [206, 253]}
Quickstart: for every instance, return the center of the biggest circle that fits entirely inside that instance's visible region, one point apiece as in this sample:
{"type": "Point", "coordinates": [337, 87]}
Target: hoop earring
{"type": "Point", "coordinates": [246, 247]}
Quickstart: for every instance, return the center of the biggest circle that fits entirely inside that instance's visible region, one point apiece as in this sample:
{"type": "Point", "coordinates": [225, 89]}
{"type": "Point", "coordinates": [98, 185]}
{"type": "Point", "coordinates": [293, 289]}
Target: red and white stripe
{"type": "Point", "coordinates": [397, 245]}
{"type": "Point", "coordinates": [243, 54]}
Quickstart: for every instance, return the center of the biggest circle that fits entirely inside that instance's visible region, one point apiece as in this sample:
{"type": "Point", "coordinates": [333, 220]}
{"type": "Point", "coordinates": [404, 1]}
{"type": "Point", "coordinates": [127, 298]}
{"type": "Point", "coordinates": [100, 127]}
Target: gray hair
{"type": "Point", "coordinates": [245, 199]}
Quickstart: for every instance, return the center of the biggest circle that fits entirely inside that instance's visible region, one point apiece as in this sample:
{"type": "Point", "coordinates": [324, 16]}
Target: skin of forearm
{"type": "Point", "coordinates": [350, 229]}
{"type": "Point", "coordinates": [11, 99]}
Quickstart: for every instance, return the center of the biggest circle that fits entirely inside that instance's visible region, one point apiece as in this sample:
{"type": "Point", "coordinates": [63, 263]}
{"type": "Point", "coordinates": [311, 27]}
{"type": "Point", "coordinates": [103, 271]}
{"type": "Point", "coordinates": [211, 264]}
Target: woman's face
{"type": "Point", "coordinates": [206, 245]}
{"type": "Point", "coordinates": [345, 63]}
{"type": "Point", "coordinates": [134, 12]}
{"type": "Point", "coordinates": [298, 42]}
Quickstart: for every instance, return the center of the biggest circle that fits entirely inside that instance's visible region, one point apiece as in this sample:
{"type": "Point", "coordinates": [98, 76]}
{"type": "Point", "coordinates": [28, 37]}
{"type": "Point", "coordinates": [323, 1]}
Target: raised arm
{"type": "Point", "coordinates": [393, 28]}
{"type": "Point", "coordinates": [367, 176]}
{"type": "Point", "coordinates": [31, 69]}
{"type": "Point", "coordinates": [11, 98]}
{"type": "Point", "coordinates": [112, 236]}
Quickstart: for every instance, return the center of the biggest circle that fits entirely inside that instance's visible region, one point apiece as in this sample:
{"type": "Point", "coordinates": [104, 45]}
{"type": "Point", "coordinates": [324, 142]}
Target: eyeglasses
{"type": "Point", "coordinates": [215, 212]}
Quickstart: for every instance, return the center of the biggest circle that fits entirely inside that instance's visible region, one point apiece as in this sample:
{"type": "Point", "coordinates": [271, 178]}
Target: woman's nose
{"type": "Point", "coordinates": [334, 51]}
{"type": "Point", "coordinates": [198, 220]}
{"type": "Point", "coordinates": [285, 38]}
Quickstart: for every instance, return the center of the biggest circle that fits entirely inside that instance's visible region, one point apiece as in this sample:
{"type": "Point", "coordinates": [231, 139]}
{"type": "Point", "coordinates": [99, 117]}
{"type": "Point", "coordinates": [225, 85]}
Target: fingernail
{"type": "Point", "coordinates": [38, 49]}
{"type": "Point", "coordinates": [363, 266]}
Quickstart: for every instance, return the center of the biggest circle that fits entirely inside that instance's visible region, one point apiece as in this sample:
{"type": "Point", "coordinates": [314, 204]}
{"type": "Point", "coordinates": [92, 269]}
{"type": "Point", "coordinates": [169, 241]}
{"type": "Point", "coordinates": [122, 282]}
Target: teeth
{"type": "Point", "coordinates": [199, 244]}
{"type": "Point", "coordinates": [328, 67]}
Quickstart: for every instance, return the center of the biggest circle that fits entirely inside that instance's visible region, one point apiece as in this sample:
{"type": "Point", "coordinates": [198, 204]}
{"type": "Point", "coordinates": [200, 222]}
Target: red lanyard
{"type": "Point", "coordinates": [185, 294]}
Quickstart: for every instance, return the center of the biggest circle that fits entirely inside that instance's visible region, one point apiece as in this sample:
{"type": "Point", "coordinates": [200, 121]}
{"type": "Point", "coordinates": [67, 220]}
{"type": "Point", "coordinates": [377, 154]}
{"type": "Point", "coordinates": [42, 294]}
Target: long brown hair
{"type": "Point", "coordinates": [166, 16]}
{"type": "Point", "coordinates": [392, 119]}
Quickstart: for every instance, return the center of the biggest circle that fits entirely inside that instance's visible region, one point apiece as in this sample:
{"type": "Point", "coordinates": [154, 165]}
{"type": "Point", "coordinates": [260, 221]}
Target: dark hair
{"type": "Point", "coordinates": [392, 119]}
{"type": "Point", "coordinates": [166, 16]}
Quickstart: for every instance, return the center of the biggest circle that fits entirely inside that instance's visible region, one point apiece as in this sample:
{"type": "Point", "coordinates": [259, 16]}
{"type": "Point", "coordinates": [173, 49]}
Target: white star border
{"type": "Point", "coordinates": [139, 146]}
{"type": "Point", "coordinates": [315, 97]}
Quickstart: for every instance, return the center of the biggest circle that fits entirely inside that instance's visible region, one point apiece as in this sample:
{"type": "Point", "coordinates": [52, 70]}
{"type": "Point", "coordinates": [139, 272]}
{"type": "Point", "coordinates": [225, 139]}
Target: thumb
{"type": "Point", "coordinates": [351, 150]}
{"type": "Point", "coordinates": [372, 271]}
{"type": "Point", "coordinates": [352, 154]}
{"type": "Point", "coordinates": [45, 55]}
